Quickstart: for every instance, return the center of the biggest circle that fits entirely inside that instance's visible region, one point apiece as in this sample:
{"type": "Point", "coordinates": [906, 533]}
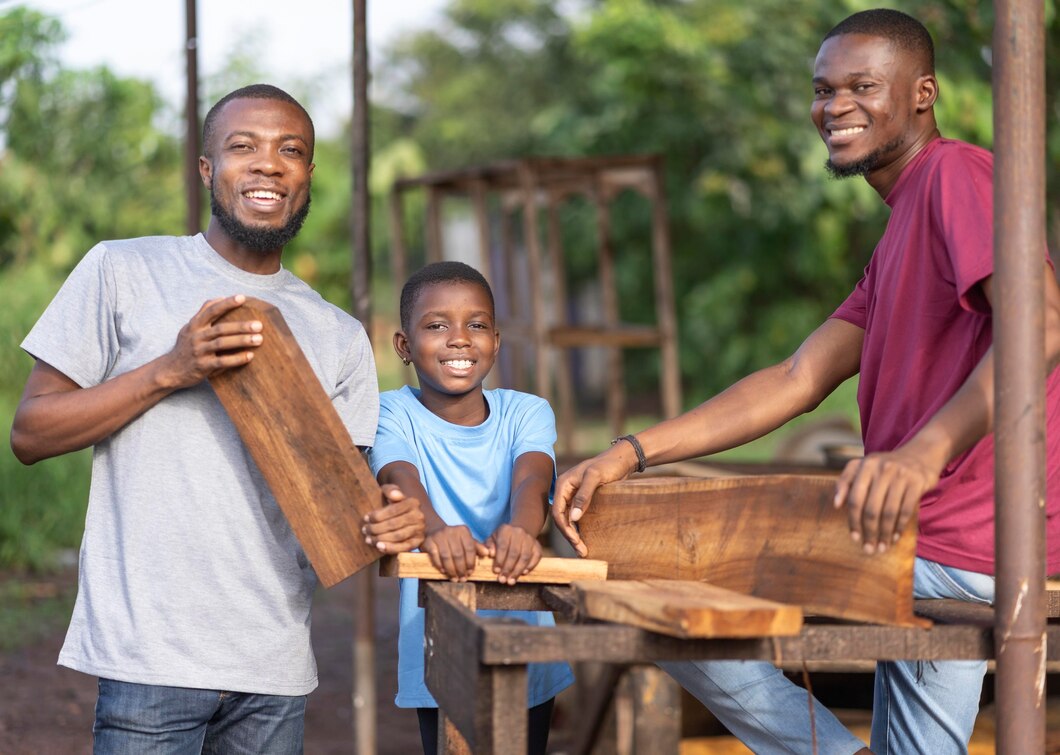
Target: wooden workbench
{"type": "Point", "coordinates": [478, 673]}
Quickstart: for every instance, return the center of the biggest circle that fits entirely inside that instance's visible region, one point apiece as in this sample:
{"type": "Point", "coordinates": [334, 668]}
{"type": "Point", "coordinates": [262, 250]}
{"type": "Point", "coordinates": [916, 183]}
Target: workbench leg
{"type": "Point", "coordinates": [656, 711]}
{"type": "Point", "coordinates": [507, 719]}
{"type": "Point", "coordinates": [450, 740]}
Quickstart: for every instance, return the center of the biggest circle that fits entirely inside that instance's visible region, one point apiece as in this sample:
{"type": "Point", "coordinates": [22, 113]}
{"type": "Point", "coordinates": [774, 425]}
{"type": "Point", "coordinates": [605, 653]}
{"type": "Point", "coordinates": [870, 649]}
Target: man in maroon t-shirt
{"type": "Point", "coordinates": [917, 328]}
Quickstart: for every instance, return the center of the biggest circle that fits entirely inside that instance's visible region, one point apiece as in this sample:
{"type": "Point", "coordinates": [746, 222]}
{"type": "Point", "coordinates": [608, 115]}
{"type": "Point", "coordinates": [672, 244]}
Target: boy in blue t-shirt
{"type": "Point", "coordinates": [481, 462]}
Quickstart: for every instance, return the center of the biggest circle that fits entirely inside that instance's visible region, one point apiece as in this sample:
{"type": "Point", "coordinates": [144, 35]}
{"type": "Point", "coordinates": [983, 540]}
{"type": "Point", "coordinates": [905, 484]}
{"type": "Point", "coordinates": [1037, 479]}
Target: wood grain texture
{"type": "Point", "coordinates": [549, 571]}
{"type": "Point", "coordinates": [776, 537]}
{"type": "Point", "coordinates": [686, 609]}
{"type": "Point", "coordinates": [319, 478]}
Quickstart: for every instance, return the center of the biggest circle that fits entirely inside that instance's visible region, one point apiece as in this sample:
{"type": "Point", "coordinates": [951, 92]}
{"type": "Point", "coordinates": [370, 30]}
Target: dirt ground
{"type": "Point", "coordinates": [48, 710]}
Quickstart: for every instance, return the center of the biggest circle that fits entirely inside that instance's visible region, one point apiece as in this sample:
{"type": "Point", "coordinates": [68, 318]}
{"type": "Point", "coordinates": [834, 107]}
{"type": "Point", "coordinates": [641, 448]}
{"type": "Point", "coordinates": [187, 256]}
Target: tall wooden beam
{"type": "Point", "coordinates": [1019, 386]}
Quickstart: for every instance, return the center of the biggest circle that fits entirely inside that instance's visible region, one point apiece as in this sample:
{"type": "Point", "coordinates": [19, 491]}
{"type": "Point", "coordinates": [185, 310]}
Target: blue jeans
{"type": "Point", "coordinates": [919, 707]}
{"type": "Point", "coordinates": [141, 719]}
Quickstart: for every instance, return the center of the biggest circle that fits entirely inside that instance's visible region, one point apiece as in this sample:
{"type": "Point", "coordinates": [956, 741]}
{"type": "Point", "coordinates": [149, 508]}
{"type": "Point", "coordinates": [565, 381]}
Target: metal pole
{"type": "Point", "coordinates": [1019, 386]}
{"type": "Point", "coordinates": [364, 698]}
{"type": "Point", "coordinates": [192, 182]}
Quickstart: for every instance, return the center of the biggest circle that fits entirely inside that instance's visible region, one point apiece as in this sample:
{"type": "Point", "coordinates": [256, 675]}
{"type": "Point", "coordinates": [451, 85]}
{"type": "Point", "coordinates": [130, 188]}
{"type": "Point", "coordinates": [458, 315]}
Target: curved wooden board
{"type": "Point", "coordinates": [318, 476]}
{"type": "Point", "coordinates": [776, 537]}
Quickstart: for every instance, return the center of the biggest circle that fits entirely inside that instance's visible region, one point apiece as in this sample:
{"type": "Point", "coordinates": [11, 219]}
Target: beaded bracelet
{"type": "Point", "coordinates": [642, 461]}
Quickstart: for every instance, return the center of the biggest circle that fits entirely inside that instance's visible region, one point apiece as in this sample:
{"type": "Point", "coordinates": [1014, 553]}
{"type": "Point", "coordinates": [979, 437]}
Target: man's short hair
{"type": "Point", "coordinates": [438, 272]}
{"type": "Point", "coordinates": [902, 30]}
{"type": "Point", "coordinates": [251, 92]}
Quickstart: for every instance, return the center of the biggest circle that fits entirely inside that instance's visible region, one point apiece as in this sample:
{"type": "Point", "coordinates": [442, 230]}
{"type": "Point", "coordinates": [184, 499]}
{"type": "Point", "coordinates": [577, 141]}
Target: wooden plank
{"type": "Point", "coordinates": [686, 609]}
{"type": "Point", "coordinates": [616, 643]}
{"type": "Point", "coordinates": [552, 571]}
{"type": "Point", "coordinates": [776, 537]}
{"type": "Point", "coordinates": [319, 478]}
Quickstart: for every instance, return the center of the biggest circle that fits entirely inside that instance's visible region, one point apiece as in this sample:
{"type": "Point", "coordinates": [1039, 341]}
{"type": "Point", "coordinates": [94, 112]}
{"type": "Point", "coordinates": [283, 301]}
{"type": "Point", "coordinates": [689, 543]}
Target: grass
{"type": "Point", "coordinates": [32, 608]}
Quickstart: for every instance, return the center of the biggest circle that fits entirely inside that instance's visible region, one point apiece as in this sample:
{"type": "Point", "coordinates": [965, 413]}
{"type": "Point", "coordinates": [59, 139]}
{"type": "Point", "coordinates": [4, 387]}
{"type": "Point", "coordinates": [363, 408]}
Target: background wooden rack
{"type": "Point", "coordinates": [529, 277]}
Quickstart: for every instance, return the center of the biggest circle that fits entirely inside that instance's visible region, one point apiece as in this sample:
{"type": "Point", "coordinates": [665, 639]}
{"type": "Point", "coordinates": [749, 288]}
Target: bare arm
{"type": "Point", "coordinates": [882, 490]}
{"type": "Point", "coordinates": [750, 408]}
{"type": "Point", "coordinates": [514, 545]}
{"type": "Point", "coordinates": [452, 549]}
{"type": "Point", "coordinates": [55, 415]}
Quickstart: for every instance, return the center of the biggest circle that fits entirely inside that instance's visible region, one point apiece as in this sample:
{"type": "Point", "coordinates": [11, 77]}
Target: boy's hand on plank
{"type": "Point", "coordinates": [514, 551]}
{"type": "Point", "coordinates": [453, 551]}
{"type": "Point", "coordinates": [398, 526]}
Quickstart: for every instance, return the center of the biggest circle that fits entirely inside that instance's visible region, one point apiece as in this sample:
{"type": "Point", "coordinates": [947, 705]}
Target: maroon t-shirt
{"type": "Point", "coordinates": [927, 325]}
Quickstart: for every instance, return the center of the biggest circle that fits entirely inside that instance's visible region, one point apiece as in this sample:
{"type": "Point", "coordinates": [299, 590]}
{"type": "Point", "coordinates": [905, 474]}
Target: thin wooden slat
{"type": "Point", "coordinates": [612, 336]}
{"type": "Point", "coordinates": [686, 609]}
{"type": "Point", "coordinates": [319, 478]}
{"type": "Point", "coordinates": [777, 537]}
{"type": "Point", "coordinates": [552, 571]}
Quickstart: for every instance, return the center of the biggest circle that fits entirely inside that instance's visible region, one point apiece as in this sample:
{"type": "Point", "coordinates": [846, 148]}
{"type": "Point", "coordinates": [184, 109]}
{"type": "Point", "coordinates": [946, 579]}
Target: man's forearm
{"type": "Point", "coordinates": [56, 416]}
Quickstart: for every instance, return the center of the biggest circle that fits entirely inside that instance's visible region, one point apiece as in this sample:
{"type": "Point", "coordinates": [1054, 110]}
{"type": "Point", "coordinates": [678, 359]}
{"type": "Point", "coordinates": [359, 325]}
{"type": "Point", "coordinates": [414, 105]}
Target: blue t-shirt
{"type": "Point", "coordinates": [467, 472]}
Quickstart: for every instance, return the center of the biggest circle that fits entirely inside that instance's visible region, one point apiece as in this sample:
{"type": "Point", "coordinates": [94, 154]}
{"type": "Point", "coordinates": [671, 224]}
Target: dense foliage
{"type": "Point", "coordinates": [765, 244]}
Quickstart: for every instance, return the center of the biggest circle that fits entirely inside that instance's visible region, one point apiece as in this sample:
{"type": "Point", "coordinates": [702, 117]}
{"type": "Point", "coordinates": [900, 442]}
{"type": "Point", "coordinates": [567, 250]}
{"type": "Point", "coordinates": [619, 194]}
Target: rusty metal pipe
{"type": "Point", "coordinates": [1019, 387]}
{"type": "Point", "coordinates": [192, 182]}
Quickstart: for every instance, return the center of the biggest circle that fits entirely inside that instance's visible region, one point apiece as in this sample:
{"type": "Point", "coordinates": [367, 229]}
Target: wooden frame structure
{"type": "Point", "coordinates": [478, 673]}
{"type": "Point", "coordinates": [532, 309]}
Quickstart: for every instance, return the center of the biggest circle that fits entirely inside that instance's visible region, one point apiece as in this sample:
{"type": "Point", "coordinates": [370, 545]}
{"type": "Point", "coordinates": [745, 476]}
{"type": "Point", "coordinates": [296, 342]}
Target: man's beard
{"type": "Point", "coordinates": [259, 239]}
{"type": "Point", "coordinates": [865, 165]}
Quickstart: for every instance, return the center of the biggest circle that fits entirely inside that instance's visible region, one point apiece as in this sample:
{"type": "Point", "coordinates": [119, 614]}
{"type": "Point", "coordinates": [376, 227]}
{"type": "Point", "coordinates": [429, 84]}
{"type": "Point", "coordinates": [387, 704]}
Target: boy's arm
{"type": "Point", "coordinates": [452, 550]}
{"type": "Point", "coordinates": [56, 415]}
{"type": "Point", "coordinates": [882, 490]}
{"type": "Point", "coordinates": [514, 545]}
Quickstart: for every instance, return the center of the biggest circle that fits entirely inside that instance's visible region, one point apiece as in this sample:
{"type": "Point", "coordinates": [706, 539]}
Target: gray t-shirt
{"type": "Point", "coordinates": [189, 573]}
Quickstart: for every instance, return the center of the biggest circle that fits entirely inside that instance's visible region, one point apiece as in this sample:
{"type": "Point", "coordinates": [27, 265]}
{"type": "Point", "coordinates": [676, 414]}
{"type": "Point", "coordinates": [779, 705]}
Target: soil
{"type": "Point", "coordinates": [46, 709]}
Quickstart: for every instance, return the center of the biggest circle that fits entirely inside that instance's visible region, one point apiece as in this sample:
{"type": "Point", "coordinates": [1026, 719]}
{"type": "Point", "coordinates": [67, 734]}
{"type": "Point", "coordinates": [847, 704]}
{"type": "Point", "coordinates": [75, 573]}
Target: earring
{"type": "Point", "coordinates": [405, 360]}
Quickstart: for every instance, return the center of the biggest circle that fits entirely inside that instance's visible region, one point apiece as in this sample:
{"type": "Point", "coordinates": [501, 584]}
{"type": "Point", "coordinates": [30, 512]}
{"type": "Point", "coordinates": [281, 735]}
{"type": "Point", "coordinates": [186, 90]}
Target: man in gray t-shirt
{"type": "Point", "coordinates": [193, 598]}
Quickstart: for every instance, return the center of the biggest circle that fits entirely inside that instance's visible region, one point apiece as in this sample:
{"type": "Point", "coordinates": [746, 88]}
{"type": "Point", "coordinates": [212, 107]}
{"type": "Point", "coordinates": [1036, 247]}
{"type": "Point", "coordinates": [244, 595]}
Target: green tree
{"type": "Point", "coordinates": [766, 245]}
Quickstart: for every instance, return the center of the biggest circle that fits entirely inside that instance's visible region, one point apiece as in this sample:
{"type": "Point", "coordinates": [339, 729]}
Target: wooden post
{"type": "Point", "coordinates": [564, 373]}
{"type": "Point", "coordinates": [542, 350]}
{"type": "Point", "coordinates": [434, 224]}
{"type": "Point", "coordinates": [616, 391]}
{"type": "Point", "coordinates": [656, 711]}
{"type": "Point", "coordinates": [669, 367]}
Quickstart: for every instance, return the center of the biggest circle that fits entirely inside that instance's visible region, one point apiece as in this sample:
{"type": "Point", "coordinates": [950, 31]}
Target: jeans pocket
{"type": "Point", "coordinates": [951, 585]}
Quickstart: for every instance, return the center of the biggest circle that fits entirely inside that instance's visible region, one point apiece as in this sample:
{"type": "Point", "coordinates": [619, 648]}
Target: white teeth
{"type": "Point", "coordinates": [459, 364]}
{"type": "Point", "coordinates": [262, 195]}
{"type": "Point", "coordinates": [848, 131]}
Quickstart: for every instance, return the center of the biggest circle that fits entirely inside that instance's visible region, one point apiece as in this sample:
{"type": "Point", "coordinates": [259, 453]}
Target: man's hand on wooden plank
{"type": "Point", "coordinates": [881, 493]}
{"type": "Point", "coordinates": [398, 525]}
{"type": "Point", "coordinates": [205, 347]}
{"type": "Point", "coordinates": [576, 486]}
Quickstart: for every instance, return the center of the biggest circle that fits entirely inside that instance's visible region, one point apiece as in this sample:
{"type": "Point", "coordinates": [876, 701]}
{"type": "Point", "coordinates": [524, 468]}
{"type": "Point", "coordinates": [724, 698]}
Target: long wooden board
{"type": "Point", "coordinates": [686, 609]}
{"type": "Point", "coordinates": [776, 537]}
{"type": "Point", "coordinates": [301, 446]}
{"type": "Point", "coordinates": [549, 571]}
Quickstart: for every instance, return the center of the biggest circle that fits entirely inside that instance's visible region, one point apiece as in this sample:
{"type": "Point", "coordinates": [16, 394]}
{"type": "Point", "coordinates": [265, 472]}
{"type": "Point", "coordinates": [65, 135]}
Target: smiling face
{"type": "Point", "coordinates": [453, 342]}
{"type": "Point", "coordinates": [258, 170]}
{"type": "Point", "coordinates": [872, 107]}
